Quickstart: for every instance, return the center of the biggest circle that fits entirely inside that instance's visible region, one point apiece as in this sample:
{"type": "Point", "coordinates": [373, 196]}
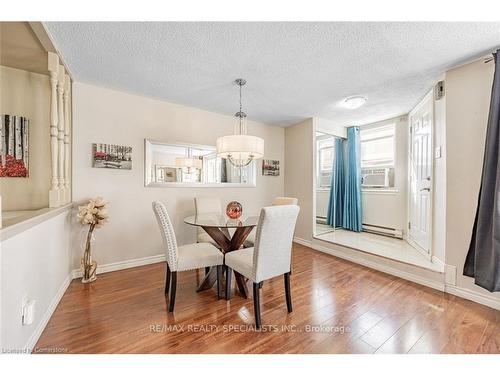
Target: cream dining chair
{"type": "Point", "coordinates": [184, 258]}
{"type": "Point", "coordinates": [206, 206]}
{"type": "Point", "coordinates": [271, 255]}
{"type": "Point", "coordinates": [278, 201]}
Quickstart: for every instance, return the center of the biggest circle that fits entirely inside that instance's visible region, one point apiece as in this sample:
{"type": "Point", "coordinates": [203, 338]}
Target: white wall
{"type": "Point", "coordinates": [108, 116]}
{"type": "Point", "coordinates": [439, 181]}
{"type": "Point", "coordinates": [389, 209]}
{"type": "Point", "coordinates": [468, 91]}
{"type": "Point", "coordinates": [329, 127]}
{"type": "Point", "coordinates": [300, 173]}
{"type": "Point", "coordinates": [35, 265]}
{"type": "Point", "coordinates": [322, 197]}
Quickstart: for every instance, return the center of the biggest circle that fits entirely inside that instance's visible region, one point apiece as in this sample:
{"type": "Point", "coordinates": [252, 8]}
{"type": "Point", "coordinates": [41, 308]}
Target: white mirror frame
{"type": "Point", "coordinates": [148, 143]}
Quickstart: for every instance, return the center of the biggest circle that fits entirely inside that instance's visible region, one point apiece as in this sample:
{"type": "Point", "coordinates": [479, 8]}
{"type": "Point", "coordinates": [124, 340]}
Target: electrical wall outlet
{"type": "Point", "coordinates": [28, 312]}
{"type": "Point", "coordinates": [450, 274]}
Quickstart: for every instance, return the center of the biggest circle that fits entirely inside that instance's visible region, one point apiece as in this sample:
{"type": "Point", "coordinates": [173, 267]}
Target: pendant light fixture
{"type": "Point", "coordinates": [240, 149]}
{"type": "Point", "coordinates": [188, 162]}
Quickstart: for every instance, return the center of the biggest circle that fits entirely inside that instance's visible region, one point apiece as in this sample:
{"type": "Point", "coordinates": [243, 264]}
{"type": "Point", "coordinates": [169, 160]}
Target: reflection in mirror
{"type": "Point", "coordinates": [364, 176]}
{"type": "Point", "coordinates": [192, 165]}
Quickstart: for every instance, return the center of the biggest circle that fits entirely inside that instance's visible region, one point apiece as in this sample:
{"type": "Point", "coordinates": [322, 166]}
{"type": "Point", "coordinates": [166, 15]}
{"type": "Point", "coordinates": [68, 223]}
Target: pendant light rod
{"type": "Point", "coordinates": [240, 83]}
{"type": "Point", "coordinates": [240, 114]}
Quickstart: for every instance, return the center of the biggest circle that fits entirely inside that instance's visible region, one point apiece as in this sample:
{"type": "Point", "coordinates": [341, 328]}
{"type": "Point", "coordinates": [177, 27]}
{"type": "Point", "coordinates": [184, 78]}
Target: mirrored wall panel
{"type": "Point", "coordinates": [189, 165]}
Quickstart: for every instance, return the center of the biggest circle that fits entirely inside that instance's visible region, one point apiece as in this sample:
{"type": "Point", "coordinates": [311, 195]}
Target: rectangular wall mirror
{"type": "Point", "coordinates": [190, 165]}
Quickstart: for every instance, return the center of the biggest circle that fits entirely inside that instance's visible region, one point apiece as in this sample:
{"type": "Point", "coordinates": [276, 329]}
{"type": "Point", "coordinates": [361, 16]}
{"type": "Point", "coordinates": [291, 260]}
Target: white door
{"type": "Point", "coordinates": [420, 164]}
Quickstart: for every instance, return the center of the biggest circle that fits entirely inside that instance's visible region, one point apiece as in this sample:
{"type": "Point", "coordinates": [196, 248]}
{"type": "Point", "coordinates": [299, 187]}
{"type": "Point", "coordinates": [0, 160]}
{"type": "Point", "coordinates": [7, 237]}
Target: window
{"type": "Point", "coordinates": [210, 168]}
{"type": "Point", "coordinates": [325, 159]}
{"type": "Point", "coordinates": [377, 156]}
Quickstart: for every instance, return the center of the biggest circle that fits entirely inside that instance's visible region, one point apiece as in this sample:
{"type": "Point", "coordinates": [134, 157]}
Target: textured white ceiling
{"type": "Point", "coordinates": [294, 70]}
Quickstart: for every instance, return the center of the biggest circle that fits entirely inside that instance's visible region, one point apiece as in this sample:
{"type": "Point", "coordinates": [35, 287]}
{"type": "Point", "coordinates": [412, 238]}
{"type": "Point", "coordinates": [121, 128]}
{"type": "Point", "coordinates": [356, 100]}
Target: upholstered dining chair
{"type": "Point", "coordinates": [206, 206]}
{"type": "Point", "coordinates": [184, 258]}
{"type": "Point", "coordinates": [271, 255]}
{"type": "Point", "coordinates": [278, 201]}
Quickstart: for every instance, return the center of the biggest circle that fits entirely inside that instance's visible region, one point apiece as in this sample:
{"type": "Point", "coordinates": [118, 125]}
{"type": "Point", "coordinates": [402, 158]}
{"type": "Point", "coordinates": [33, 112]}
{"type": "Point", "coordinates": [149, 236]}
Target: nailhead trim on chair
{"type": "Point", "coordinates": [167, 232]}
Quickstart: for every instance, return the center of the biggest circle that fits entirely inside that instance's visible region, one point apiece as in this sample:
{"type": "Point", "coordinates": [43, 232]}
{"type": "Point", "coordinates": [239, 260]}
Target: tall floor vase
{"type": "Point", "coordinates": [89, 266]}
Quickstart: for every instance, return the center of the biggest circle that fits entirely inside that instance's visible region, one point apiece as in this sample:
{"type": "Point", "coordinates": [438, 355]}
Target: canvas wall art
{"type": "Point", "coordinates": [111, 156]}
{"type": "Point", "coordinates": [14, 146]}
{"type": "Point", "coordinates": [270, 167]}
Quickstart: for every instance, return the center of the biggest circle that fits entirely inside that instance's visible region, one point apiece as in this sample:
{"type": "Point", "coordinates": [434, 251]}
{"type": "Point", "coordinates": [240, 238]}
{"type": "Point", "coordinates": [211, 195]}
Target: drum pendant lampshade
{"type": "Point", "coordinates": [187, 162]}
{"type": "Point", "coordinates": [240, 149]}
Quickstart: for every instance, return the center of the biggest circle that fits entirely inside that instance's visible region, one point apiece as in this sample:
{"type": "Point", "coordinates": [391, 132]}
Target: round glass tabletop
{"type": "Point", "coordinates": [221, 221]}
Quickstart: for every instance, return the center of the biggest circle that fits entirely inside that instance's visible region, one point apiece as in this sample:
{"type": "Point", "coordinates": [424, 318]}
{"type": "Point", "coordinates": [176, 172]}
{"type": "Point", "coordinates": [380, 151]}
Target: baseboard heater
{"type": "Point", "coordinates": [384, 231]}
{"type": "Point", "coordinates": [320, 220]}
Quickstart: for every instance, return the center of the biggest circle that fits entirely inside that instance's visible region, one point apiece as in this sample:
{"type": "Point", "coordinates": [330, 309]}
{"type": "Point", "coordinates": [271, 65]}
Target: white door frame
{"type": "Point", "coordinates": [427, 254]}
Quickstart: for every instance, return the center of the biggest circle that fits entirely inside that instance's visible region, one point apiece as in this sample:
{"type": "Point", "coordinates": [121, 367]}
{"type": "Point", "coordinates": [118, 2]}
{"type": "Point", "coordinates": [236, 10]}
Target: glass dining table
{"type": "Point", "coordinates": [219, 227]}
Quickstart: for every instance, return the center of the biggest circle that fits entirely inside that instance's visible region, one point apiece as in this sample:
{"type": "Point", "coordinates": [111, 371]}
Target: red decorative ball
{"type": "Point", "coordinates": [234, 210]}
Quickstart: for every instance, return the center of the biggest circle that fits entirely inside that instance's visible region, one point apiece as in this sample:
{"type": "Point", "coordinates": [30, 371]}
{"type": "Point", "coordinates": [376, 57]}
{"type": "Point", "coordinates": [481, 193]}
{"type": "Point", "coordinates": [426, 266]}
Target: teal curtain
{"type": "Point", "coordinates": [352, 212]}
{"type": "Point", "coordinates": [335, 209]}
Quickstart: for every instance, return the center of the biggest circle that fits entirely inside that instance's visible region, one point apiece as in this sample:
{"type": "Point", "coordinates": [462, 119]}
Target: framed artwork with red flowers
{"type": "Point", "coordinates": [14, 146]}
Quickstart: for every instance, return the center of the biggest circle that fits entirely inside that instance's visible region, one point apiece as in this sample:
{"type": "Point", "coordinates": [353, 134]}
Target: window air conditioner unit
{"type": "Point", "coordinates": [376, 178]}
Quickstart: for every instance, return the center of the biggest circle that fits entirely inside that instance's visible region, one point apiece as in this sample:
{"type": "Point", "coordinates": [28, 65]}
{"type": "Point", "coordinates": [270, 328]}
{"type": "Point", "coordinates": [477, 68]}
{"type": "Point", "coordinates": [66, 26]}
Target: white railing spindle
{"type": "Point", "coordinates": [53, 68]}
{"type": "Point", "coordinates": [60, 127]}
{"type": "Point", "coordinates": [67, 179]}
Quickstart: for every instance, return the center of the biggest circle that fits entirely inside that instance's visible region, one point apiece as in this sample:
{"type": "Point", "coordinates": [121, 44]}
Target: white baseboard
{"type": "Point", "coordinates": [473, 296]}
{"type": "Point", "coordinates": [447, 288]}
{"type": "Point", "coordinates": [420, 249]}
{"type": "Point", "coordinates": [30, 345]}
{"type": "Point", "coordinates": [301, 241]}
{"type": "Point", "coordinates": [117, 266]}
{"type": "Point", "coordinates": [438, 261]}
{"type": "Point", "coordinates": [374, 265]}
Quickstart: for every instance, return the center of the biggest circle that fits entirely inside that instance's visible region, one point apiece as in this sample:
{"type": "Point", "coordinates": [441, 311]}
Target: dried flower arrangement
{"type": "Point", "coordinates": [94, 214]}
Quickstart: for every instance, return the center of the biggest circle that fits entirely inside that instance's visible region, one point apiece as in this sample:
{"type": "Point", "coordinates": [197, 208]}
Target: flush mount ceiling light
{"type": "Point", "coordinates": [240, 149]}
{"type": "Point", "coordinates": [353, 102]}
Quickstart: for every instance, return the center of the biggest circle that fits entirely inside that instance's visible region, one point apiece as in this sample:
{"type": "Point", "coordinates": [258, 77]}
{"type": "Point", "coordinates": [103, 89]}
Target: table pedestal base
{"type": "Point", "coordinates": [227, 245]}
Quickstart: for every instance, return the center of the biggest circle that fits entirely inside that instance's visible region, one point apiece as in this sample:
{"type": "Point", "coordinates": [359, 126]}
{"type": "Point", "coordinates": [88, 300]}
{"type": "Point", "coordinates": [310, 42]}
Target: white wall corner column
{"type": "Point", "coordinates": [60, 132]}
{"type": "Point", "coordinates": [53, 68]}
{"type": "Point", "coordinates": [67, 152]}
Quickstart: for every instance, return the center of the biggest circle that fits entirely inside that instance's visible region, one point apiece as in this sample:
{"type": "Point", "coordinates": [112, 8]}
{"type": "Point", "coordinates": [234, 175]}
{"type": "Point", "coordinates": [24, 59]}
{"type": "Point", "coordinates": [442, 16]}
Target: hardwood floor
{"type": "Point", "coordinates": [338, 307]}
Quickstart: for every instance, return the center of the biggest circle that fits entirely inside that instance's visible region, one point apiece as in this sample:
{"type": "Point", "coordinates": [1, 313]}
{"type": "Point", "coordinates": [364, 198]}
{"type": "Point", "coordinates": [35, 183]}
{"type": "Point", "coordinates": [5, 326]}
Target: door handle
{"type": "Point", "coordinates": [424, 189]}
